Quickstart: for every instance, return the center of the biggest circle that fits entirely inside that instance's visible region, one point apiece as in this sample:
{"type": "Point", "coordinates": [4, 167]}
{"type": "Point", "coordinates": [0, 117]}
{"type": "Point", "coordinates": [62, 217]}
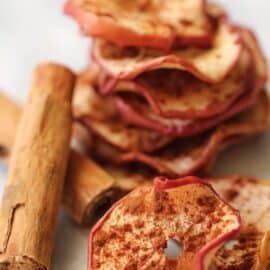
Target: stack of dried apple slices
{"type": "Point", "coordinates": [167, 108]}
{"type": "Point", "coordinates": [171, 84]}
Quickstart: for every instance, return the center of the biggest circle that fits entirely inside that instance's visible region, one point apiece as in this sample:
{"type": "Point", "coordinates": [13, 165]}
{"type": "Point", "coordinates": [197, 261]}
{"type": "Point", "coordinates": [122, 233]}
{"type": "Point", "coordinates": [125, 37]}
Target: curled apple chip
{"type": "Point", "coordinates": [211, 64]}
{"type": "Point", "coordinates": [134, 232]}
{"type": "Point", "coordinates": [177, 94]}
{"type": "Point", "coordinates": [249, 251]}
{"type": "Point", "coordinates": [137, 111]}
{"type": "Point", "coordinates": [250, 248]}
{"type": "Point", "coordinates": [185, 156]}
{"type": "Point", "coordinates": [249, 195]}
{"type": "Point", "coordinates": [260, 62]}
{"type": "Point", "coordinates": [99, 114]}
{"type": "Point", "coordinates": [150, 23]}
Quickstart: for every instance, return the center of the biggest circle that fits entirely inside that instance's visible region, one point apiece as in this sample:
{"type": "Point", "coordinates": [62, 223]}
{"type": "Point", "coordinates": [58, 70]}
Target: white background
{"type": "Point", "coordinates": [33, 31]}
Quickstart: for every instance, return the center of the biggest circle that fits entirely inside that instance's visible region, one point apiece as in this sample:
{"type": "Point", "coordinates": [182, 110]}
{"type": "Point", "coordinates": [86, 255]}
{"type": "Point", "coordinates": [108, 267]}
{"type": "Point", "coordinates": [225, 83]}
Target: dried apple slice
{"type": "Point", "coordinates": [250, 249]}
{"type": "Point", "coordinates": [189, 155]}
{"type": "Point", "coordinates": [136, 112]}
{"type": "Point", "coordinates": [211, 65]}
{"type": "Point", "coordinates": [101, 117]}
{"type": "Point", "coordinates": [134, 232]}
{"type": "Point", "coordinates": [177, 94]}
{"type": "Point", "coordinates": [260, 61]}
{"type": "Point", "coordinates": [192, 155]}
{"type": "Point", "coordinates": [248, 194]}
{"type": "Point", "coordinates": [151, 23]}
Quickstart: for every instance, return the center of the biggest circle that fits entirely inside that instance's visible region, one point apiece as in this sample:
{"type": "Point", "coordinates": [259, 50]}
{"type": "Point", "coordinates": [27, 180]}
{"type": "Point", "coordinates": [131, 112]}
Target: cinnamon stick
{"type": "Point", "coordinates": [88, 187]}
{"type": "Point", "coordinates": [37, 170]}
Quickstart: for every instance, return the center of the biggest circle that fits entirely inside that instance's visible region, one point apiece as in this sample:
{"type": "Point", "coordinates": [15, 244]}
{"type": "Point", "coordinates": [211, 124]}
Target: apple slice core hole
{"type": "Point", "coordinates": [231, 244]}
{"type": "Point", "coordinates": [173, 249]}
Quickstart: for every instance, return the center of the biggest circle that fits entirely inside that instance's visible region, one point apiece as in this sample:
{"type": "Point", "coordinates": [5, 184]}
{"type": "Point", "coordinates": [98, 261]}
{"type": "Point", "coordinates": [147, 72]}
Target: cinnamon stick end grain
{"type": "Point", "coordinates": [54, 78]}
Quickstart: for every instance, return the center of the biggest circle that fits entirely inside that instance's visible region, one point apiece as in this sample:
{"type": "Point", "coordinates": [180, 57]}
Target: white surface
{"type": "Point", "coordinates": [32, 31]}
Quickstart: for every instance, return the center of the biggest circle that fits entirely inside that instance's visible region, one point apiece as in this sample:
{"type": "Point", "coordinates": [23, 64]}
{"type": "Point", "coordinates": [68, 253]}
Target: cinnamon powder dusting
{"type": "Point", "coordinates": [135, 234]}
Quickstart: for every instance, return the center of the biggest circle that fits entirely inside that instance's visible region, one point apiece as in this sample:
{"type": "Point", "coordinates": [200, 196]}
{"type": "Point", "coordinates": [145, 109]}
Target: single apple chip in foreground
{"type": "Point", "coordinates": [134, 232]}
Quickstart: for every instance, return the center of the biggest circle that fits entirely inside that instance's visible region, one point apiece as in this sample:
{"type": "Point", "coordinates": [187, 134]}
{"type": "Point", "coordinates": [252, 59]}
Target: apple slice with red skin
{"type": "Point", "coordinates": [210, 65]}
{"type": "Point", "coordinates": [251, 196]}
{"type": "Point", "coordinates": [248, 251]}
{"type": "Point", "coordinates": [250, 248]}
{"type": "Point", "coordinates": [144, 23]}
{"type": "Point", "coordinates": [177, 94]}
{"type": "Point", "coordinates": [99, 114]}
{"type": "Point", "coordinates": [260, 62]}
{"type": "Point", "coordinates": [134, 232]}
{"type": "Point", "coordinates": [138, 113]}
{"type": "Point", "coordinates": [186, 156]}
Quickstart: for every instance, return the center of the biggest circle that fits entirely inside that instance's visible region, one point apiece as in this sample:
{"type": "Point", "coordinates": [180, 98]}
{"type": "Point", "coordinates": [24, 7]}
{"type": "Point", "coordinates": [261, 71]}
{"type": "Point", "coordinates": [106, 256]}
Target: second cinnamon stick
{"type": "Point", "coordinates": [87, 186]}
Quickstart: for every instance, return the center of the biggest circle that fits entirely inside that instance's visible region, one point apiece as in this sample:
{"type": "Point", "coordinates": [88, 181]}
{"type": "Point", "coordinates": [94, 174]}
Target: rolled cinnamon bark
{"type": "Point", "coordinates": [37, 170]}
{"type": "Point", "coordinates": [88, 187]}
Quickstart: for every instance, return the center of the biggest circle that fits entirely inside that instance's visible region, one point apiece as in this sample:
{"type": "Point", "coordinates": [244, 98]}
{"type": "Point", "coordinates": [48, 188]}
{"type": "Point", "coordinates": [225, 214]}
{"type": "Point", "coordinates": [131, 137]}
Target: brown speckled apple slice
{"type": "Point", "coordinates": [177, 94]}
{"type": "Point", "coordinates": [250, 249]}
{"type": "Point", "coordinates": [185, 156]}
{"type": "Point", "coordinates": [99, 114]}
{"type": "Point", "coordinates": [210, 65]}
{"type": "Point", "coordinates": [151, 23]}
{"type": "Point", "coordinates": [134, 232]}
{"type": "Point", "coordinates": [138, 113]}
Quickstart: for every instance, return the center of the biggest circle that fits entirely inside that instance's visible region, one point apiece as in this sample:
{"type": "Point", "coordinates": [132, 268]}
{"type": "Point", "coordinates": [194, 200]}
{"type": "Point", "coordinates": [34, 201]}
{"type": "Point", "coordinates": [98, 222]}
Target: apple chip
{"type": "Point", "coordinates": [211, 64]}
{"type": "Point", "coordinates": [250, 196]}
{"type": "Point", "coordinates": [150, 23]}
{"type": "Point", "coordinates": [260, 61]}
{"type": "Point", "coordinates": [249, 249]}
{"type": "Point", "coordinates": [101, 117]}
{"type": "Point", "coordinates": [134, 232]}
{"type": "Point", "coordinates": [185, 156]}
{"type": "Point", "coordinates": [136, 111]}
{"type": "Point", "coordinates": [177, 94]}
